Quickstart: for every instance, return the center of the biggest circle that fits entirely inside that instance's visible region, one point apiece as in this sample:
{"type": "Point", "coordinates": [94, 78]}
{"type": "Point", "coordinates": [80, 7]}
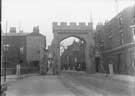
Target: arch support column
{"type": "Point", "coordinates": [56, 51]}
{"type": "Point", "coordinates": [90, 68]}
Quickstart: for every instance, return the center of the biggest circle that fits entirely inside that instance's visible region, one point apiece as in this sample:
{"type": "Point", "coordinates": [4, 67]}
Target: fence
{"type": "Point", "coordinates": [23, 70]}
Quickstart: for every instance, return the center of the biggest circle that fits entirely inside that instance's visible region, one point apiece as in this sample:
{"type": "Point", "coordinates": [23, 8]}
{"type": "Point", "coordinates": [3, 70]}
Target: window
{"type": "Point", "coordinates": [110, 37]}
{"type": "Point", "coordinates": [102, 44]}
{"type": "Point", "coordinates": [133, 31]}
{"type": "Point", "coordinates": [120, 20]}
{"type": "Point", "coordinates": [122, 39]}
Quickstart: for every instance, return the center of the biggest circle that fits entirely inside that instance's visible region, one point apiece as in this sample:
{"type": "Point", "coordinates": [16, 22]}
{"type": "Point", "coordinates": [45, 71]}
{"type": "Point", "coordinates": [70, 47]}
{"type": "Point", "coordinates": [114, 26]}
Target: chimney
{"type": "Point", "coordinates": [21, 31]}
{"type": "Point", "coordinates": [12, 30]}
{"type": "Point", "coordinates": [36, 29]}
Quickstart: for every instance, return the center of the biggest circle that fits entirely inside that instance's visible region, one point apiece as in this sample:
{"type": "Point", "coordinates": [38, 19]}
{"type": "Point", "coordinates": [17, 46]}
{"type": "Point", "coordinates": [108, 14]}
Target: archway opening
{"type": "Point", "coordinates": [72, 54]}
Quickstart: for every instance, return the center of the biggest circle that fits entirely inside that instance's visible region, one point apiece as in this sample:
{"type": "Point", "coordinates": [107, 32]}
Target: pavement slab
{"type": "Point", "coordinates": [39, 86]}
{"type": "Point", "coordinates": [79, 89]}
{"type": "Point", "coordinates": [105, 87]}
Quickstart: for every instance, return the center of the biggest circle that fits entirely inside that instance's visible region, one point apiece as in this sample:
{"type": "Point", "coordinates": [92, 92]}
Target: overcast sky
{"type": "Point", "coordinates": [29, 13]}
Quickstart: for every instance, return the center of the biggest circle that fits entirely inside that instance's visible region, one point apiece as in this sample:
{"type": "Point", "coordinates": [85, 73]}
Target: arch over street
{"type": "Point", "coordinates": [81, 31]}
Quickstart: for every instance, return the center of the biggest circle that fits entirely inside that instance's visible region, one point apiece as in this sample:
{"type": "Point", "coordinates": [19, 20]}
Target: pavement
{"type": "Point", "coordinates": [13, 78]}
{"type": "Point", "coordinates": [72, 83]}
{"type": "Point", "coordinates": [100, 85]}
{"type": "Point", "coordinates": [117, 77]}
{"type": "Point", "coordinates": [123, 78]}
{"type": "Point", "coordinates": [39, 86]}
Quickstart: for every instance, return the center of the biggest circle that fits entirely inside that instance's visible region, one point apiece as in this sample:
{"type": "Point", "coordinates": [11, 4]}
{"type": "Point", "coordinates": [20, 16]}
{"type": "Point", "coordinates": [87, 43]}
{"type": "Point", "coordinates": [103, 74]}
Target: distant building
{"type": "Point", "coordinates": [73, 55]}
{"type": "Point", "coordinates": [116, 43]}
{"type": "Point", "coordinates": [25, 47]}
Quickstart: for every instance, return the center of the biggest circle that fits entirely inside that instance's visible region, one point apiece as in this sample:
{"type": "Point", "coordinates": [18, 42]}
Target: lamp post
{"type": "Point", "coordinates": [6, 46]}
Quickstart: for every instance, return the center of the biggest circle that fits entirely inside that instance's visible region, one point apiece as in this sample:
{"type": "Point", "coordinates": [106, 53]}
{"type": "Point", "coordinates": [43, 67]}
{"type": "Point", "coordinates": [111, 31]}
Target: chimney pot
{"type": "Point", "coordinates": [12, 29]}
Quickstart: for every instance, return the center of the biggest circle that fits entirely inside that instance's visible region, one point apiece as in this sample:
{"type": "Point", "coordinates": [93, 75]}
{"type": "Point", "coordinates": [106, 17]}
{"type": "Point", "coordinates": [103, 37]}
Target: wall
{"type": "Point", "coordinates": [35, 47]}
{"type": "Point", "coordinates": [114, 49]}
{"type": "Point", "coordinates": [13, 54]}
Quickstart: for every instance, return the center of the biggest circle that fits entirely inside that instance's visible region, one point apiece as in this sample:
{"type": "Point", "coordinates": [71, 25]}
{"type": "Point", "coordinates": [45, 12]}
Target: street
{"type": "Point", "coordinates": [39, 86]}
{"type": "Point", "coordinates": [68, 48]}
{"type": "Point", "coordinates": [68, 84]}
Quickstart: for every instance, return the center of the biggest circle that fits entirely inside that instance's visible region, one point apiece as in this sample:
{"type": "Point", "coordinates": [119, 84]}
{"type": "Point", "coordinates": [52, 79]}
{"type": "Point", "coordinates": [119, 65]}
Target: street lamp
{"type": "Point", "coordinates": [6, 46]}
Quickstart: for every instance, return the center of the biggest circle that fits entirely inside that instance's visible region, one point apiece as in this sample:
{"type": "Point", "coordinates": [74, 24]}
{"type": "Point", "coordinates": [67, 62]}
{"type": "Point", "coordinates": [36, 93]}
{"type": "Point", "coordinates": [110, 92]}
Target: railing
{"type": "Point", "coordinates": [23, 70]}
{"type": "Point", "coordinates": [29, 70]}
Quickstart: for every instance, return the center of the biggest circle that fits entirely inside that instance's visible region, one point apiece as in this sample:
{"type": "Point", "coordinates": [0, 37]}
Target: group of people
{"type": "Point", "coordinates": [77, 67]}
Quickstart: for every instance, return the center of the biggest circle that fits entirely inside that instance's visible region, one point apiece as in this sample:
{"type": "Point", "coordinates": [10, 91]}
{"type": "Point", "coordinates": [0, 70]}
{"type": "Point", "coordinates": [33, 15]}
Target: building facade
{"type": "Point", "coordinates": [116, 44]}
{"type": "Point", "coordinates": [13, 47]}
{"type": "Point", "coordinates": [24, 48]}
{"type": "Point", "coordinates": [36, 45]}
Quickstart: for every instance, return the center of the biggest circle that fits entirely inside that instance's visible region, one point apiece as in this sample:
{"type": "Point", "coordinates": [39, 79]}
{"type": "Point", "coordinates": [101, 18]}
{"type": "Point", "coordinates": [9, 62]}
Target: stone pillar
{"type": "Point", "coordinates": [58, 64]}
{"type": "Point", "coordinates": [56, 50]}
{"type": "Point", "coordinates": [90, 67]}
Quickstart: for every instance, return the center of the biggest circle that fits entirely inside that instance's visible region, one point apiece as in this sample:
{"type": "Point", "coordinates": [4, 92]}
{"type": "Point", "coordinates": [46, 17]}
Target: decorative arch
{"type": "Point", "coordinates": [65, 37]}
{"type": "Point", "coordinates": [81, 31]}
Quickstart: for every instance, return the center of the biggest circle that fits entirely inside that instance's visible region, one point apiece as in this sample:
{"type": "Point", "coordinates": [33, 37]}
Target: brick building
{"type": "Point", "coordinates": [116, 43]}
{"type": "Point", "coordinates": [36, 45]}
{"type": "Point", "coordinates": [22, 47]}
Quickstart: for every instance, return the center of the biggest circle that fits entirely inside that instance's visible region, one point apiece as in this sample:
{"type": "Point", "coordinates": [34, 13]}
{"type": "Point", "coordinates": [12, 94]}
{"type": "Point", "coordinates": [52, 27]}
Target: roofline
{"type": "Point", "coordinates": [117, 15]}
{"type": "Point", "coordinates": [132, 25]}
{"type": "Point", "coordinates": [14, 34]}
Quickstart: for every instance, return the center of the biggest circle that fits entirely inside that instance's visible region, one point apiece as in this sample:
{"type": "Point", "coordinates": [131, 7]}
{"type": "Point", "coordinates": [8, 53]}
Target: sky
{"type": "Point", "coordinates": [25, 14]}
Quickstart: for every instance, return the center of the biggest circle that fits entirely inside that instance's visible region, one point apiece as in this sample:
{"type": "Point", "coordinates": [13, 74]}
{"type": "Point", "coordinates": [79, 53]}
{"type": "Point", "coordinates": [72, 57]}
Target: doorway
{"type": "Point", "coordinates": [97, 61]}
